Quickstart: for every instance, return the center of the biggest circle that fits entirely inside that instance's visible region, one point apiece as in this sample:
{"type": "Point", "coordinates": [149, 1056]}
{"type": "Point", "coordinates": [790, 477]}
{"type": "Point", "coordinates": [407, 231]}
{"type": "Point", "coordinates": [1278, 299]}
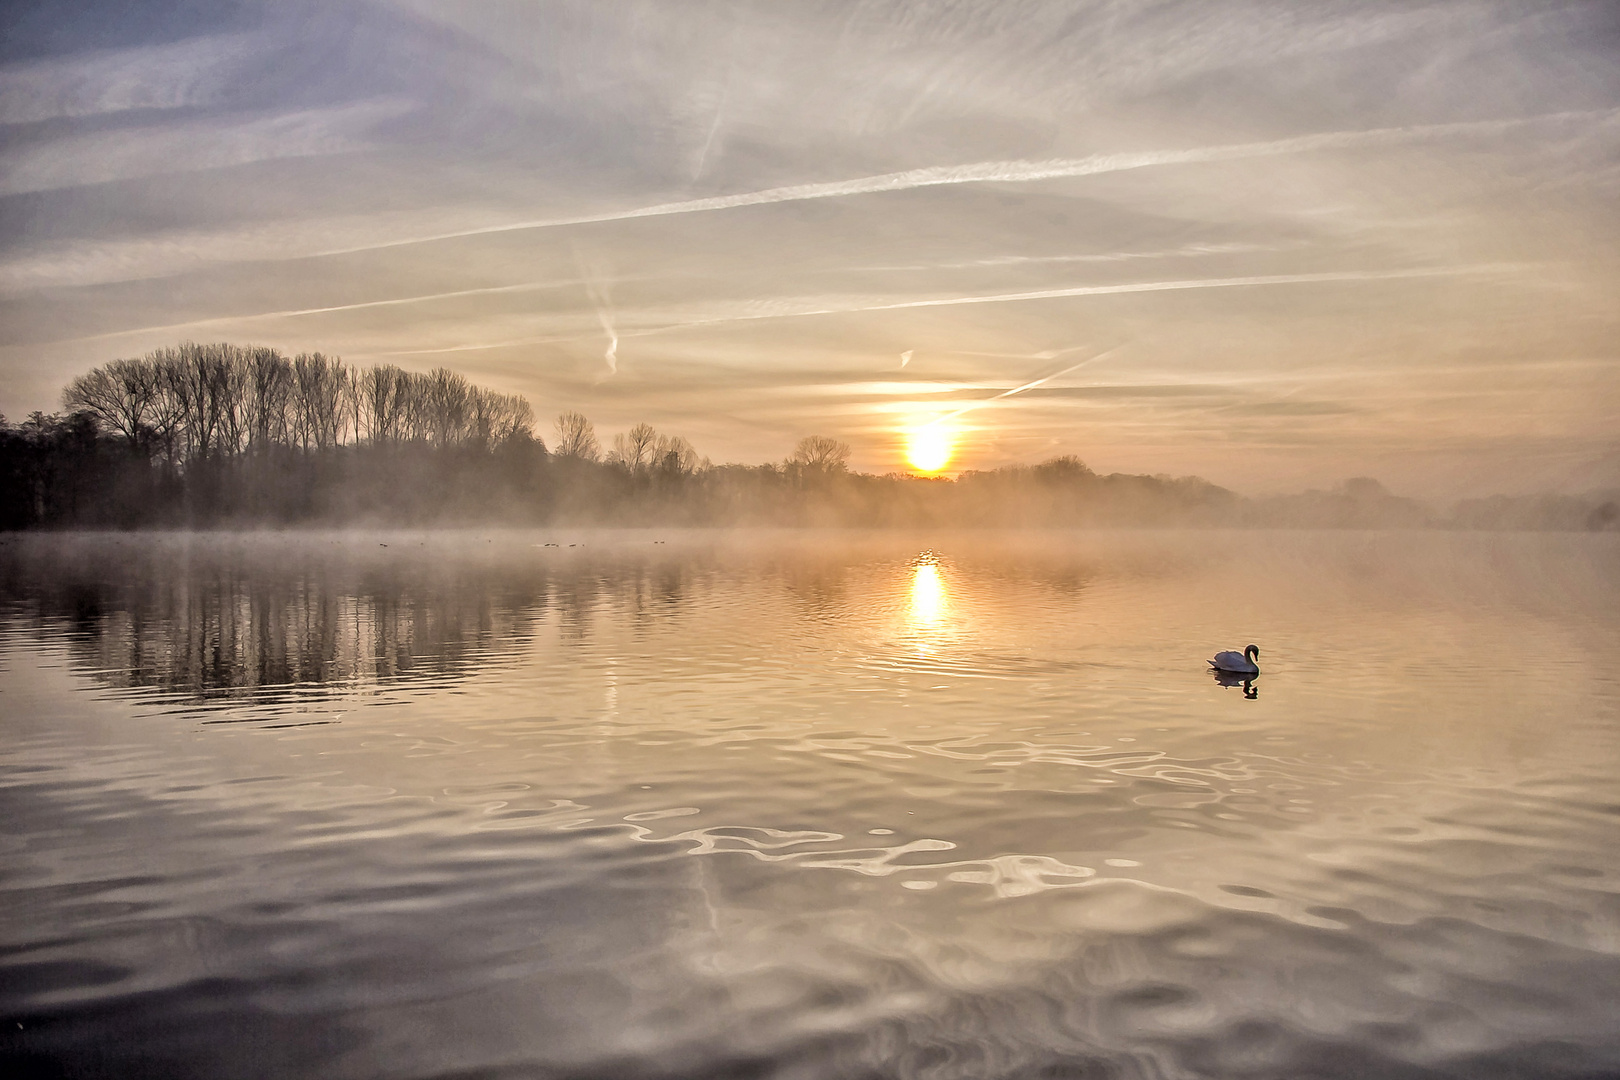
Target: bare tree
{"type": "Point", "coordinates": [351, 402]}
{"type": "Point", "coordinates": [168, 404]}
{"type": "Point", "coordinates": [821, 452]}
{"type": "Point", "coordinates": [190, 380]}
{"type": "Point", "coordinates": [228, 385]}
{"type": "Point", "coordinates": [268, 396]}
{"type": "Point", "coordinates": [412, 389]}
{"type": "Point", "coordinates": [319, 413]}
{"type": "Point", "coordinates": [493, 417]}
{"type": "Point", "coordinates": [634, 449]}
{"type": "Point", "coordinates": [674, 455]}
{"type": "Point", "coordinates": [381, 410]}
{"type": "Point", "coordinates": [576, 438]}
{"type": "Point", "coordinates": [119, 394]}
{"type": "Point", "coordinates": [197, 402]}
{"type": "Point", "coordinates": [447, 395]}
{"type": "Point", "coordinates": [516, 419]}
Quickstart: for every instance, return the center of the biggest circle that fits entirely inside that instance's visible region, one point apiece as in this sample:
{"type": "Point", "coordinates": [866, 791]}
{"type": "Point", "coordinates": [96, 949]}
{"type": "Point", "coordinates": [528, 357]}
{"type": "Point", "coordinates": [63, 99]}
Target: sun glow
{"type": "Point", "coordinates": [928, 448]}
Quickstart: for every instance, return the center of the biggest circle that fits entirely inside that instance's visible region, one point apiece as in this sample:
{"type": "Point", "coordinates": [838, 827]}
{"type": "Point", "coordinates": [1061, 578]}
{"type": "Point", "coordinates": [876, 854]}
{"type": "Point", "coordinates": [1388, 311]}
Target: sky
{"type": "Point", "coordinates": [1273, 244]}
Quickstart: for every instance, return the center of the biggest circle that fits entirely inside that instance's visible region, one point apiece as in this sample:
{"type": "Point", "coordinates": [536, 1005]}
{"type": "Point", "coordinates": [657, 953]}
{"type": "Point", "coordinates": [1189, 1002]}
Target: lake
{"type": "Point", "coordinates": [816, 804]}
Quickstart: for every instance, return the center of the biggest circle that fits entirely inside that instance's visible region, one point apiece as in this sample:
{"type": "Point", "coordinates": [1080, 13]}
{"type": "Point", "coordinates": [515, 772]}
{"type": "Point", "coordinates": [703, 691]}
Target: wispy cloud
{"type": "Point", "coordinates": [365, 305]}
{"type": "Point", "coordinates": [1024, 388]}
{"type": "Point", "coordinates": [787, 309]}
{"type": "Point", "coordinates": [599, 287]}
{"type": "Point", "coordinates": [1272, 193]}
{"type": "Point", "coordinates": [163, 253]}
{"type": "Point", "coordinates": [1186, 251]}
{"type": "Point", "coordinates": [714, 130]}
{"type": "Point", "coordinates": [604, 316]}
{"type": "Point", "coordinates": [77, 263]}
{"type": "Point", "coordinates": [1002, 172]}
{"type": "Point", "coordinates": [132, 153]}
{"type": "Point", "coordinates": [799, 308]}
{"type": "Point", "coordinates": [184, 74]}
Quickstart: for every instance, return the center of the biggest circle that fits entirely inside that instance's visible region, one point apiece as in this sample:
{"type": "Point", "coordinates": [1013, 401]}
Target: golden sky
{"type": "Point", "coordinates": [1272, 244]}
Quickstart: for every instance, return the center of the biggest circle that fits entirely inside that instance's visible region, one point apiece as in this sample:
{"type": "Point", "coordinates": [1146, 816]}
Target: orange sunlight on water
{"type": "Point", "coordinates": [927, 597]}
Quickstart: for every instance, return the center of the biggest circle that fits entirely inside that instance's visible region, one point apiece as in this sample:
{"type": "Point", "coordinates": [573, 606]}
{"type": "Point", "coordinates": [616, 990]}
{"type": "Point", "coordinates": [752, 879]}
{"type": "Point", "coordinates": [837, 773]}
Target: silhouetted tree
{"type": "Point", "coordinates": [119, 395]}
{"type": "Point", "coordinates": [576, 438]}
{"type": "Point", "coordinates": [634, 449]}
{"type": "Point", "coordinates": [821, 452]}
{"type": "Point", "coordinates": [204, 434]}
{"type": "Point", "coordinates": [213, 432]}
{"type": "Point", "coordinates": [675, 456]}
{"type": "Point", "coordinates": [268, 388]}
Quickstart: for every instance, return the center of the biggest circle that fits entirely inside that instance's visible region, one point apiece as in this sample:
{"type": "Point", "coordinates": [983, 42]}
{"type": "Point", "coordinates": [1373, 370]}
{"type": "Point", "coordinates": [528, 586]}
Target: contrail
{"type": "Point", "coordinates": [1188, 251]}
{"type": "Point", "coordinates": [1043, 294]}
{"type": "Point", "coordinates": [480, 347]}
{"type": "Point", "coordinates": [597, 288]}
{"type": "Point", "coordinates": [527, 286]}
{"type": "Point", "coordinates": [540, 286]}
{"type": "Point", "coordinates": [1102, 290]}
{"type": "Point", "coordinates": [714, 128]}
{"type": "Point", "coordinates": [612, 353]}
{"type": "Point", "coordinates": [1020, 389]}
{"type": "Point", "coordinates": [584, 279]}
{"type": "Point", "coordinates": [992, 172]}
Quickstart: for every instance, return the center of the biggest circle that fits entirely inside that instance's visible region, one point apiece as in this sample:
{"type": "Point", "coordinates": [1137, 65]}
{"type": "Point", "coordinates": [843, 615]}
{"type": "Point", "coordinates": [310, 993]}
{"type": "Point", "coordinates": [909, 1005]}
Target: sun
{"type": "Point", "coordinates": [928, 448]}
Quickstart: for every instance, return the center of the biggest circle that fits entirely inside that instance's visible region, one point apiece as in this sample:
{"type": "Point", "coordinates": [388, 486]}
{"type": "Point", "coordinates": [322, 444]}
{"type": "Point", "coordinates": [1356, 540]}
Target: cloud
{"type": "Point", "coordinates": [365, 305]}
{"type": "Point", "coordinates": [175, 76]}
{"type": "Point", "coordinates": [132, 153]}
{"type": "Point", "coordinates": [802, 307]}
{"type": "Point", "coordinates": [164, 253]}
{"type": "Point", "coordinates": [89, 262]}
{"type": "Point", "coordinates": [791, 309]}
{"type": "Point", "coordinates": [1000, 172]}
{"type": "Point", "coordinates": [1305, 147]}
{"type": "Point", "coordinates": [1024, 387]}
{"type": "Point", "coordinates": [599, 288]}
{"type": "Point", "coordinates": [1185, 252]}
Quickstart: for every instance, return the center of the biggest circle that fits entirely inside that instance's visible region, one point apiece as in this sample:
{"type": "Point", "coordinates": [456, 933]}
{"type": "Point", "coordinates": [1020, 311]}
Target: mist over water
{"type": "Point", "coordinates": [809, 804]}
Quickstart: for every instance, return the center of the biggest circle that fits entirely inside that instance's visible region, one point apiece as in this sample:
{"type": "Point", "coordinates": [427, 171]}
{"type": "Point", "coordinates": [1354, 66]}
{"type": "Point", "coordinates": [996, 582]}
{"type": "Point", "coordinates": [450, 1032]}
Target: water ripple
{"type": "Point", "coordinates": [752, 806]}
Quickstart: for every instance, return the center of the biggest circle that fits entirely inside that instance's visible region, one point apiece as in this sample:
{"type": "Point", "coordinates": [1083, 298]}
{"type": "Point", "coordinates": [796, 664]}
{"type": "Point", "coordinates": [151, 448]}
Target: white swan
{"type": "Point", "coordinates": [1239, 662]}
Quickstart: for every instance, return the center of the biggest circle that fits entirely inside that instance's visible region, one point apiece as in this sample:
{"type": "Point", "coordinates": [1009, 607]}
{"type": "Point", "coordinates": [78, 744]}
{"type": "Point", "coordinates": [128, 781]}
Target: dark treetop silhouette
{"type": "Point", "coordinates": [226, 435]}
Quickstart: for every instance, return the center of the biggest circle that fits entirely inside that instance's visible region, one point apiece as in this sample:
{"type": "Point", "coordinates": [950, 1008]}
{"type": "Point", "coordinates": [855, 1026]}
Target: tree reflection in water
{"type": "Point", "coordinates": [262, 619]}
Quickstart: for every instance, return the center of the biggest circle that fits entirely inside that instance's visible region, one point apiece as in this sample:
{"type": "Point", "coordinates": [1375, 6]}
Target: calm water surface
{"type": "Point", "coordinates": [809, 805]}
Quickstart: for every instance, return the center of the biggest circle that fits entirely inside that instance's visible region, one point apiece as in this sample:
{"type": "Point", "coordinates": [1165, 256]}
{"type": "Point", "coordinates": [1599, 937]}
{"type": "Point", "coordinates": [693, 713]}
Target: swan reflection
{"type": "Point", "coordinates": [1232, 678]}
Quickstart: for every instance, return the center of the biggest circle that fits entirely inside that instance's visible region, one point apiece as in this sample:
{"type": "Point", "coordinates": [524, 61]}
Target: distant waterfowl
{"type": "Point", "coordinates": [1239, 663]}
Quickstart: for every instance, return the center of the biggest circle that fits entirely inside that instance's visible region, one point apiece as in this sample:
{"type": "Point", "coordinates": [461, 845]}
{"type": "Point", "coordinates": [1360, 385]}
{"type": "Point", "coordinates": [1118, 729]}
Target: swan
{"type": "Point", "coordinates": [1242, 663]}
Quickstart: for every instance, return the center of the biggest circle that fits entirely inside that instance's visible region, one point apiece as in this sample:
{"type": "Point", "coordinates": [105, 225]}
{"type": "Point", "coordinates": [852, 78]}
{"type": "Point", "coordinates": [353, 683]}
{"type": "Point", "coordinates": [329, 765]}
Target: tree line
{"type": "Point", "coordinates": [221, 435]}
{"type": "Point", "coordinates": [195, 402]}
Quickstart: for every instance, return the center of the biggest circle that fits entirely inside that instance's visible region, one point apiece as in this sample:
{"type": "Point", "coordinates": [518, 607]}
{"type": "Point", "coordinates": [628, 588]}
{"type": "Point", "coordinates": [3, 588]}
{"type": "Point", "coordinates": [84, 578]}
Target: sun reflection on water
{"type": "Point", "coordinates": [929, 602]}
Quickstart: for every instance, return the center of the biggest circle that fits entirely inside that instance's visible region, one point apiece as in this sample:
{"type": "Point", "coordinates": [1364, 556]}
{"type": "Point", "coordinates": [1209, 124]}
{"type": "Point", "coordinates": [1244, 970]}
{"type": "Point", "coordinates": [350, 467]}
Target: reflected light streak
{"type": "Point", "coordinates": [928, 600]}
